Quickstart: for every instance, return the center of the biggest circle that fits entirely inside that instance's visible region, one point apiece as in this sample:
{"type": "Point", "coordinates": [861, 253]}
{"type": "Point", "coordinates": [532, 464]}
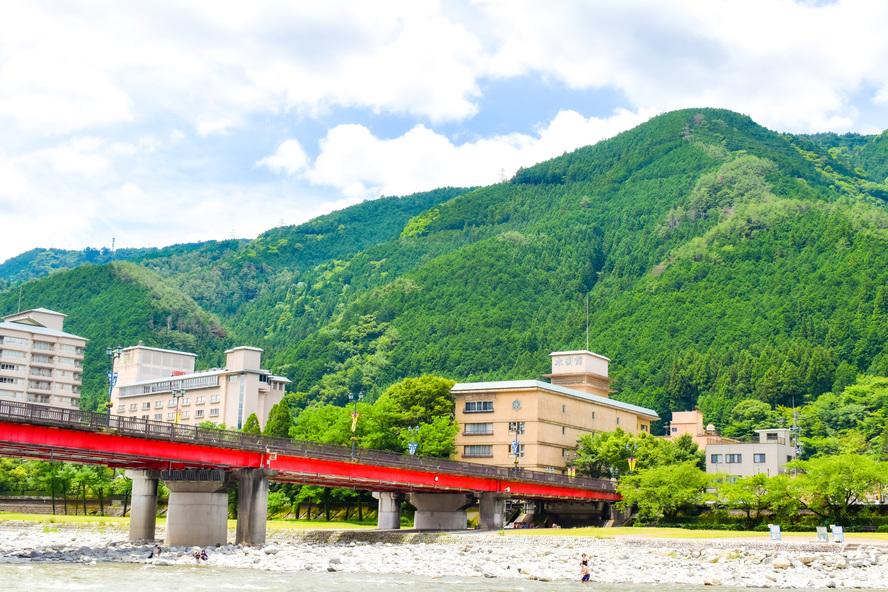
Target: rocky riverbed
{"type": "Point", "coordinates": [754, 564]}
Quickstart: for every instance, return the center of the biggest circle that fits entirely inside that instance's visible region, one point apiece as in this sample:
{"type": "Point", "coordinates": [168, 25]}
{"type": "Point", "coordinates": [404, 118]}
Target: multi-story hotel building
{"type": "Point", "coordinates": [39, 362]}
{"type": "Point", "coordinates": [546, 417]}
{"type": "Point", "coordinates": [159, 384]}
{"type": "Point", "coordinates": [774, 449]}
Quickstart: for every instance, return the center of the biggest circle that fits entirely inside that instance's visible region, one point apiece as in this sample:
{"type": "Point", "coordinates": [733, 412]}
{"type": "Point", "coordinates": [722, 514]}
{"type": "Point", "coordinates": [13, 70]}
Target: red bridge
{"type": "Point", "coordinates": [199, 465]}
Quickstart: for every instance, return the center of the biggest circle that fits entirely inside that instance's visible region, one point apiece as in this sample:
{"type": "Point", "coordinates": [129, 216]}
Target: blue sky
{"type": "Point", "coordinates": [167, 122]}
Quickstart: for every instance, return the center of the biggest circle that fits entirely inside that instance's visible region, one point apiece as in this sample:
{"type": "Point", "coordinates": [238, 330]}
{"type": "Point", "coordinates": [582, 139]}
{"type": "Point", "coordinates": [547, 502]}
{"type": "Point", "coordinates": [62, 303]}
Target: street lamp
{"type": "Point", "coordinates": [178, 394]}
{"type": "Point", "coordinates": [414, 436]}
{"type": "Point", "coordinates": [354, 417]}
{"type": "Point", "coordinates": [113, 353]}
{"type": "Point", "coordinates": [571, 469]}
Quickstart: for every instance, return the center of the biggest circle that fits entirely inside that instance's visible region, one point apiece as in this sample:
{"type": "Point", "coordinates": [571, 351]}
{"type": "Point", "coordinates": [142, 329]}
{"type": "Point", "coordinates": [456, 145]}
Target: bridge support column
{"type": "Point", "coordinates": [143, 504]}
{"type": "Point", "coordinates": [389, 514]}
{"type": "Point", "coordinates": [252, 505]}
{"type": "Point", "coordinates": [197, 514]}
{"type": "Point", "coordinates": [440, 511]}
{"type": "Point", "coordinates": [491, 510]}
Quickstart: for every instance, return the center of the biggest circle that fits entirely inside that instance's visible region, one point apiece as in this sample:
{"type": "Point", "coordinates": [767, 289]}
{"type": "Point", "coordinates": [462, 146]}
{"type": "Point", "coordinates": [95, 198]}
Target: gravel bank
{"type": "Point", "coordinates": [759, 564]}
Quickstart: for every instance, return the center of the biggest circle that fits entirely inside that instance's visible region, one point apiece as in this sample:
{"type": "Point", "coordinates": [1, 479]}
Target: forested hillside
{"type": "Point", "coordinates": [722, 262]}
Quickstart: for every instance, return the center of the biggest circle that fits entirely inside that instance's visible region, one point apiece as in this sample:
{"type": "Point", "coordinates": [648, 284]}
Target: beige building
{"type": "Point", "coordinates": [769, 455]}
{"type": "Point", "coordinates": [691, 422]}
{"type": "Point", "coordinates": [157, 384]}
{"type": "Point", "coordinates": [39, 362]}
{"type": "Point", "coordinates": [548, 417]}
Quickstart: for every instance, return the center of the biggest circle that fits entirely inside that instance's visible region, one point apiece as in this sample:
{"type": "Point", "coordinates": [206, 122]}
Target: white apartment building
{"type": "Point", "coordinates": [769, 455]}
{"type": "Point", "coordinates": [149, 380]}
{"type": "Point", "coordinates": [39, 362]}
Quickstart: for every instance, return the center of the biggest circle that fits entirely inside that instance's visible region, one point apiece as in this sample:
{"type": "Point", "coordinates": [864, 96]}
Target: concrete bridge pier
{"type": "Point", "coordinates": [143, 504]}
{"type": "Point", "coordinates": [491, 510]}
{"type": "Point", "coordinates": [389, 514]}
{"type": "Point", "coordinates": [252, 505]}
{"type": "Point", "coordinates": [440, 511]}
{"type": "Point", "coordinates": [197, 514]}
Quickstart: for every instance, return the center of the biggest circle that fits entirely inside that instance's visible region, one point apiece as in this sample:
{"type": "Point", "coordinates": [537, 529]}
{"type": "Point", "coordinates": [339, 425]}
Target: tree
{"type": "Point", "coordinates": [752, 494]}
{"type": "Point", "coordinates": [279, 421]}
{"type": "Point", "coordinates": [663, 491]}
{"type": "Point", "coordinates": [251, 426]}
{"type": "Point", "coordinates": [830, 486]}
{"type": "Point", "coordinates": [606, 454]}
{"type": "Point", "coordinates": [747, 417]}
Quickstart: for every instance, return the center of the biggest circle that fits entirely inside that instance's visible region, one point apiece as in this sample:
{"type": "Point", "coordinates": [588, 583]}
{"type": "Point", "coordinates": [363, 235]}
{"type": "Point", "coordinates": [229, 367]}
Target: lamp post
{"type": "Point", "coordinates": [571, 469]}
{"type": "Point", "coordinates": [414, 437]}
{"type": "Point", "coordinates": [354, 417]}
{"type": "Point", "coordinates": [113, 353]}
{"type": "Point", "coordinates": [178, 394]}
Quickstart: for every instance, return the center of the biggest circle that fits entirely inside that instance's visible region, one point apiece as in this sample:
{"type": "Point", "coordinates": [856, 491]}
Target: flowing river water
{"type": "Point", "coordinates": [55, 576]}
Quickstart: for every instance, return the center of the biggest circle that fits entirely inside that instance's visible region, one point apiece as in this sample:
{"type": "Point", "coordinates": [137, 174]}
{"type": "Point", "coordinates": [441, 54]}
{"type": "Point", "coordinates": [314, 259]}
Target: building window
{"type": "Point", "coordinates": [716, 459]}
{"type": "Point", "coordinates": [593, 415]}
{"type": "Point", "coordinates": [133, 406]}
{"type": "Point", "coordinates": [214, 412]}
{"type": "Point", "coordinates": [8, 367]}
{"type": "Point", "coordinates": [146, 405]}
{"type": "Point", "coordinates": [618, 420]}
{"type": "Point", "coordinates": [563, 431]}
{"type": "Point", "coordinates": [214, 398]}
{"type": "Point", "coordinates": [733, 458]}
{"type": "Point", "coordinates": [758, 458]}
{"type": "Point", "coordinates": [478, 429]}
{"type": "Point", "coordinates": [158, 404]}
{"type": "Point", "coordinates": [186, 401]}
{"type": "Point", "coordinates": [478, 450]}
{"type": "Point", "coordinates": [771, 436]}
{"type": "Point", "coordinates": [121, 408]}
{"type": "Point", "coordinates": [516, 425]}
{"type": "Point", "coordinates": [184, 415]}
{"type": "Point", "coordinates": [674, 430]}
{"type": "Point", "coordinates": [13, 340]}
{"type": "Point", "coordinates": [171, 403]}
{"type": "Point", "coordinates": [158, 416]}
{"type": "Point", "coordinates": [42, 345]}
{"type": "Point", "coordinates": [564, 409]}
{"type": "Point", "coordinates": [478, 407]}
{"type": "Point", "coordinates": [232, 378]}
{"type": "Point", "coordinates": [171, 415]}
{"type": "Point", "coordinates": [199, 400]}
{"type": "Point", "coordinates": [144, 417]}
{"type": "Point", "coordinates": [644, 427]}
{"type": "Point", "coordinates": [199, 413]}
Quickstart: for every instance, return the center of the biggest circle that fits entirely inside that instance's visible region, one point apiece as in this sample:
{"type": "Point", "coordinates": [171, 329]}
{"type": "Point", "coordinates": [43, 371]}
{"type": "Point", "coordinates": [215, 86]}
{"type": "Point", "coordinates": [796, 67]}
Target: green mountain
{"type": "Point", "coordinates": [722, 262]}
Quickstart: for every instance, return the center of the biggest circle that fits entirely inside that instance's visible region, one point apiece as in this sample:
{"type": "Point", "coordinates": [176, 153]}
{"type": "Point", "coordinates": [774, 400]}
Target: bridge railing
{"type": "Point", "coordinates": [133, 426]}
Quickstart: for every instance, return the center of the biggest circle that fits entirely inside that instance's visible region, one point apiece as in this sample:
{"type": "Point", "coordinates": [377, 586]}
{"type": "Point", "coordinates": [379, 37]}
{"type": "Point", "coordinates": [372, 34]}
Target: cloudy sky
{"type": "Point", "coordinates": [162, 122]}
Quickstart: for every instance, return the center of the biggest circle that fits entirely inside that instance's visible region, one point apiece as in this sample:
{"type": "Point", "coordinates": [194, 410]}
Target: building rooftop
{"type": "Point", "coordinates": [37, 330]}
{"type": "Point", "coordinates": [554, 388]}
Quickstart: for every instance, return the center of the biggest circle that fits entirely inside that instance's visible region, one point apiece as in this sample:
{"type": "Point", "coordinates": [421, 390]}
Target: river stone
{"type": "Point", "coordinates": [781, 563]}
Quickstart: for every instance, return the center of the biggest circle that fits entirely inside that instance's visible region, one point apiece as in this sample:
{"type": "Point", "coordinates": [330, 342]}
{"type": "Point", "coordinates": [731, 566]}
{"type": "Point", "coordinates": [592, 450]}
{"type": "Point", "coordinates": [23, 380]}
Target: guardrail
{"type": "Point", "coordinates": [143, 428]}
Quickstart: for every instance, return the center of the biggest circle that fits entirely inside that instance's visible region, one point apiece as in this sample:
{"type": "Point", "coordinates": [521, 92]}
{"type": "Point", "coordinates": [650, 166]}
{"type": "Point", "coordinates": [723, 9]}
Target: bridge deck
{"type": "Point", "coordinates": [40, 432]}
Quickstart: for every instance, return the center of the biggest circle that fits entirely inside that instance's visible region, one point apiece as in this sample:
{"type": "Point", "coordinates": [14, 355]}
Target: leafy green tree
{"type": "Point", "coordinates": [279, 421]}
{"type": "Point", "coordinates": [749, 416]}
{"type": "Point", "coordinates": [278, 503]}
{"type": "Point", "coordinates": [752, 495]}
{"type": "Point", "coordinates": [606, 454]}
{"type": "Point", "coordinates": [831, 486]}
{"type": "Point", "coordinates": [251, 426]}
{"type": "Point", "coordinates": [663, 491]}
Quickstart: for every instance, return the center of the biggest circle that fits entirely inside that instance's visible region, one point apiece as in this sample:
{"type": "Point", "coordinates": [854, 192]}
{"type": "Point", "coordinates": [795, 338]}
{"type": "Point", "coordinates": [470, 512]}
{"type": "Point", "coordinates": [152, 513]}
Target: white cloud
{"type": "Point", "coordinates": [80, 155]}
{"type": "Point", "coordinates": [361, 165]}
{"type": "Point", "coordinates": [289, 158]}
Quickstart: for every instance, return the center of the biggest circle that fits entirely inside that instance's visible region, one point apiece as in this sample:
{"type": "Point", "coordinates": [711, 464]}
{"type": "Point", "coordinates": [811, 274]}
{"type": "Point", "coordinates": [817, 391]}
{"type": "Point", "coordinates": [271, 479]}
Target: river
{"type": "Point", "coordinates": [46, 576]}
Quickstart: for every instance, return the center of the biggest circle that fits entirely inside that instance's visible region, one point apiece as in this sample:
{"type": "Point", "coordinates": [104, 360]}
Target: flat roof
{"type": "Point", "coordinates": [579, 351]}
{"type": "Point", "coordinates": [38, 330]}
{"type": "Point", "coordinates": [158, 349]}
{"type": "Point", "coordinates": [464, 387]}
